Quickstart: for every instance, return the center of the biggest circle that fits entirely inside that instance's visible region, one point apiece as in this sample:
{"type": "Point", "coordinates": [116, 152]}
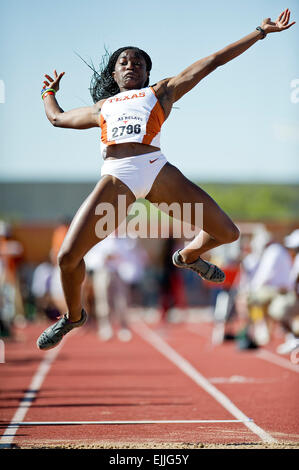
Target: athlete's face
{"type": "Point", "coordinates": [130, 70]}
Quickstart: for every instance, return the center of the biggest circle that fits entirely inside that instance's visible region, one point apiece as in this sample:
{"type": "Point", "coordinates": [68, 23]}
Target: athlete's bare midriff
{"type": "Point", "coordinates": [127, 149]}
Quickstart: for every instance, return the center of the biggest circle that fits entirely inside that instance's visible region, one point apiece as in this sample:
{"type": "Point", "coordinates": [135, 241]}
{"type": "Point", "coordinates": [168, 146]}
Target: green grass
{"type": "Point", "coordinates": [256, 201]}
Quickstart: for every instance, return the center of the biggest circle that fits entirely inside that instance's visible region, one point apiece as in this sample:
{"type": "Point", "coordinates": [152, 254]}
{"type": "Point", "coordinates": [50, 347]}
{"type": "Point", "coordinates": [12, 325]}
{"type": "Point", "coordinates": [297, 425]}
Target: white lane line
{"type": "Point", "coordinates": [163, 421]}
{"type": "Point", "coordinates": [279, 361]}
{"type": "Point", "coordinates": [151, 337]}
{"type": "Point", "coordinates": [34, 387]}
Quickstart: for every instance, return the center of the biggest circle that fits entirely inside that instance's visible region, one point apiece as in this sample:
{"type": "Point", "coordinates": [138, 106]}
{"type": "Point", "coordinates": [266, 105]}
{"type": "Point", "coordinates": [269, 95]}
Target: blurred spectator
{"type": "Point", "coordinates": [40, 289]}
{"type": "Point", "coordinates": [132, 267]}
{"type": "Point", "coordinates": [116, 264]}
{"type": "Point", "coordinates": [223, 295]}
{"type": "Point", "coordinates": [255, 331]}
{"type": "Point", "coordinates": [11, 304]}
{"type": "Point", "coordinates": [270, 279]}
{"type": "Point", "coordinates": [46, 286]}
{"type": "Point", "coordinates": [253, 252]}
{"type": "Point", "coordinates": [172, 289]}
{"type": "Point", "coordinates": [285, 307]}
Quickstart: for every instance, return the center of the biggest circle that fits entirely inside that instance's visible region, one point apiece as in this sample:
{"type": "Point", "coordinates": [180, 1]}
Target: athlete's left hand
{"type": "Point", "coordinates": [280, 24]}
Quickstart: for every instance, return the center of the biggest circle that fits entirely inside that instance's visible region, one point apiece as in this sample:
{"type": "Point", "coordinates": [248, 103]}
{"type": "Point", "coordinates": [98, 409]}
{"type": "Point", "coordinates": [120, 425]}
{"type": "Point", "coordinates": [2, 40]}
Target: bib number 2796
{"type": "Point", "coordinates": [121, 131]}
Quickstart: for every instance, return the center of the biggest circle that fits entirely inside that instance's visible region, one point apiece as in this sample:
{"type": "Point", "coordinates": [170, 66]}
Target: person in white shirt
{"type": "Point", "coordinates": [115, 264]}
{"type": "Point", "coordinates": [270, 280]}
{"type": "Point", "coordinates": [286, 306]}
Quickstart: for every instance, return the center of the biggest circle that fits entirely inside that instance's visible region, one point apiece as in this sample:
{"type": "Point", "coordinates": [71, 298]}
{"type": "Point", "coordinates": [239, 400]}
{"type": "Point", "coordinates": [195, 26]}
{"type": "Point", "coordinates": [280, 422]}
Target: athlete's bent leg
{"type": "Point", "coordinates": [172, 186]}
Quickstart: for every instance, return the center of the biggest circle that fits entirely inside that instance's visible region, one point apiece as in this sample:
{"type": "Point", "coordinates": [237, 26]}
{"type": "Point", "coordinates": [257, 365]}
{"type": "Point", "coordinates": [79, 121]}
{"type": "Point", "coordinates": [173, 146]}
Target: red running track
{"type": "Point", "coordinates": [169, 372]}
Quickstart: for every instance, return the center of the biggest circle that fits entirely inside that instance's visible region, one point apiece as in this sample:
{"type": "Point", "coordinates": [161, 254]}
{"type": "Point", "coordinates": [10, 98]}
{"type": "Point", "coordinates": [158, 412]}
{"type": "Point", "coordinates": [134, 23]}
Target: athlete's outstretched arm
{"type": "Point", "coordinates": [182, 83]}
{"type": "Point", "coordinates": [80, 118]}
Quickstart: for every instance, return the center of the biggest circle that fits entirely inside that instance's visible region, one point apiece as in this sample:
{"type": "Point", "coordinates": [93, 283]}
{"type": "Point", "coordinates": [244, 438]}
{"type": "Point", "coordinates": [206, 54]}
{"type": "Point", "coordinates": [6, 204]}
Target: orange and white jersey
{"type": "Point", "coordinates": [132, 116]}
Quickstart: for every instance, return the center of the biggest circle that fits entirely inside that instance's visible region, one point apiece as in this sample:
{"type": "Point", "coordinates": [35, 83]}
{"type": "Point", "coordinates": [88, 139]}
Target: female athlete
{"type": "Point", "coordinates": [130, 114]}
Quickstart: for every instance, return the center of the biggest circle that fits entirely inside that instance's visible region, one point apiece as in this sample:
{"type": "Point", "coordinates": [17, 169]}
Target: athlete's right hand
{"type": "Point", "coordinates": [53, 83]}
{"type": "Point", "coordinates": [280, 24]}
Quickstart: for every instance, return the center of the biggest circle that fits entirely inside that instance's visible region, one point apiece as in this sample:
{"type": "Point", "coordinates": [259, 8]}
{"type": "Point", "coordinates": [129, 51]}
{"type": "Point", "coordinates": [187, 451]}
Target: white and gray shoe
{"type": "Point", "coordinates": [208, 271]}
{"type": "Point", "coordinates": [52, 336]}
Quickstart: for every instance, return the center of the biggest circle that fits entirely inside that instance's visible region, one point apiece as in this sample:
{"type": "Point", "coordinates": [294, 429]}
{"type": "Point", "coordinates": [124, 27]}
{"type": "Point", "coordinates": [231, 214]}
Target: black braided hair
{"type": "Point", "coordinates": [102, 83]}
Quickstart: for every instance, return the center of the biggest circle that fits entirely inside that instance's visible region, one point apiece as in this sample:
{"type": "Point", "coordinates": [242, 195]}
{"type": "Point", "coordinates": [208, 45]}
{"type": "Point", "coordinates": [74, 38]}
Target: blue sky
{"type": "Point", "coordinates": [240, 123]}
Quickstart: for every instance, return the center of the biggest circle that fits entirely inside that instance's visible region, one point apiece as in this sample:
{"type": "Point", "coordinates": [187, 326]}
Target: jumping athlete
{"type": "Point", "coordinates": [130, 114]}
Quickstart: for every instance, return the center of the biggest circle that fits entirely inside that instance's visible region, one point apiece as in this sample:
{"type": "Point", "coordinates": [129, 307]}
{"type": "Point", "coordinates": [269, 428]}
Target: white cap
{"type": "Point", "coordinates": [292, 240]}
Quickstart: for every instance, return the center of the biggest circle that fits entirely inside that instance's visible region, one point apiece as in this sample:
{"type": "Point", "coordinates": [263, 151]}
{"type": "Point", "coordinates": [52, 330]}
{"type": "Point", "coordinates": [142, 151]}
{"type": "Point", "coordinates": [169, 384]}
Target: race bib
{"type": "Point", "coordinates": [125, 125]}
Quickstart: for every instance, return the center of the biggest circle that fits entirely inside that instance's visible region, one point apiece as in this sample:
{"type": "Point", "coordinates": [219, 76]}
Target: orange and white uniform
{"type": "Point", "coordinates": [133, 116]}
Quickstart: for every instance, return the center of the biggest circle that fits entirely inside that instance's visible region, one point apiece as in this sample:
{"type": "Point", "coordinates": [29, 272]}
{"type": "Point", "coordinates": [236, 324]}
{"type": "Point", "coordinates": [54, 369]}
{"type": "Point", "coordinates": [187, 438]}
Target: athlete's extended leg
{"type": "Point", "coordinates": [83, 235]}
{"type": "Point", "coordinates": [172, 186]}
{"type": "Point", "coordinates": [86, 230]}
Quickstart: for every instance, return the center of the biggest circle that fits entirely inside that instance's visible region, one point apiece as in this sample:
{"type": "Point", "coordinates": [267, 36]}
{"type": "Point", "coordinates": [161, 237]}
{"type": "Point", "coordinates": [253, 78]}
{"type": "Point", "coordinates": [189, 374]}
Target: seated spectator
{"type": "Point", "coordinates": [271, 279]}
{"type": "Point", "coordinates": [285, 307]}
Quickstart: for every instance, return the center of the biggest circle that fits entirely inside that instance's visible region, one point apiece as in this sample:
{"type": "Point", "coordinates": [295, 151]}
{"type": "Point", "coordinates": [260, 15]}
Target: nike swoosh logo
{"type": "Point", "coordinates": [152, 161]}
